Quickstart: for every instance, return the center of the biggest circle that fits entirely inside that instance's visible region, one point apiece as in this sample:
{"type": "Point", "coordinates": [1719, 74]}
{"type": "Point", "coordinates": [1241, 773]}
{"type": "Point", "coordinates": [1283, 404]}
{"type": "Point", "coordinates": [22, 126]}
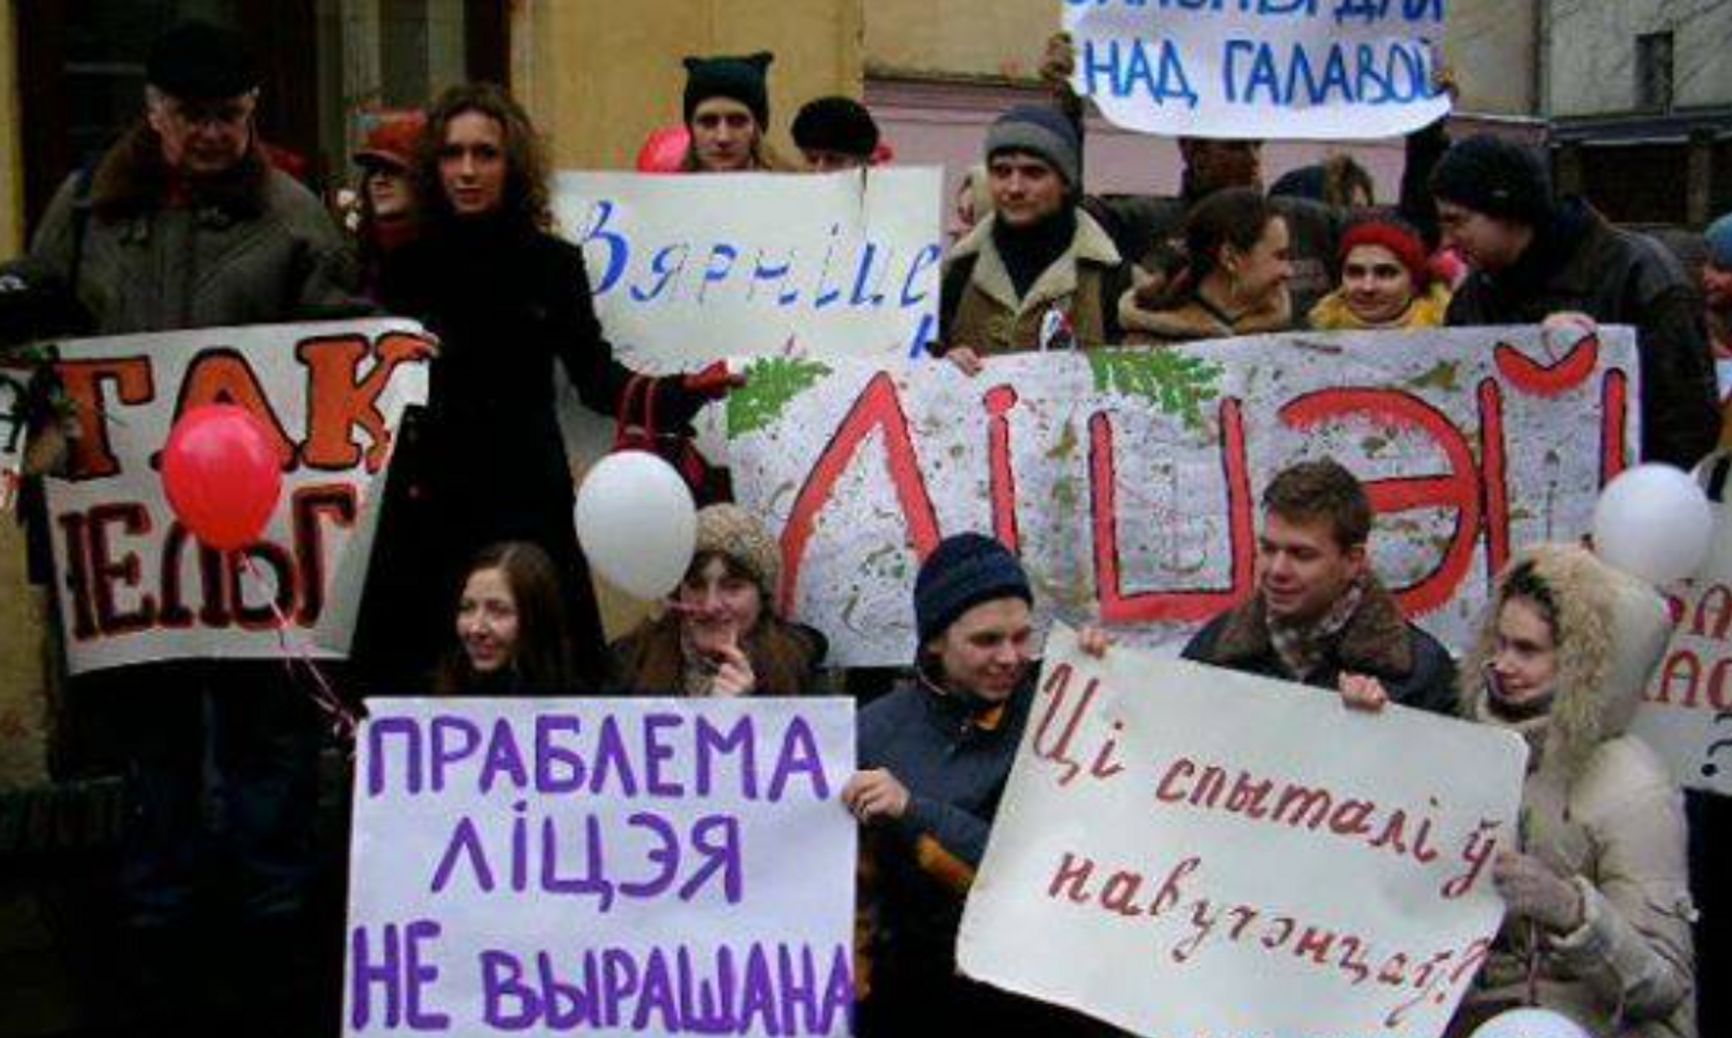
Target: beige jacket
{"type": "Point", "coordinates": [1082, 284]}
{"type": "Point", "coordinates": [1601, 808]}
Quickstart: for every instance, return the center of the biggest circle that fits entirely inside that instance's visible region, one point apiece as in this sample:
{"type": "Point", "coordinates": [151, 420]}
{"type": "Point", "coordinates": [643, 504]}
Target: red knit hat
{"type": "Point", "coordinates": [1398, 239]}
{"type": "Point", "coordinates": [392, 140]}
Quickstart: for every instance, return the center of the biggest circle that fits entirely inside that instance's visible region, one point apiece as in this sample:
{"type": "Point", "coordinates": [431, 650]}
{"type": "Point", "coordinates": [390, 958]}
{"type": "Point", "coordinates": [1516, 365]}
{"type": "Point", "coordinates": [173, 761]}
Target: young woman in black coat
{"type": "Point", "coordinates": [507, 299]}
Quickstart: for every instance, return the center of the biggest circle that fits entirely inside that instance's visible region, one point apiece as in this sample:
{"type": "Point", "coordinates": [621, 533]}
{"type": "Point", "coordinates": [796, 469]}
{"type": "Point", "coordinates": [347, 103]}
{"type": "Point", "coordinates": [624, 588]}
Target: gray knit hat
{"type": "Point", "coordinates": [1039, 131]}
{"type": "Point", "coordinates": [732, 531]}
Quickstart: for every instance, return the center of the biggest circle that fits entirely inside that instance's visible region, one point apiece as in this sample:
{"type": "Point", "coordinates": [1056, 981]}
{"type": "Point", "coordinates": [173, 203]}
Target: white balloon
{"type": "Point", "coordinates": [1653, 522]}
{"type": "Point", "coordinates": [1530, 1023]}
{"type": "Point", "coordinates": [637, 523]}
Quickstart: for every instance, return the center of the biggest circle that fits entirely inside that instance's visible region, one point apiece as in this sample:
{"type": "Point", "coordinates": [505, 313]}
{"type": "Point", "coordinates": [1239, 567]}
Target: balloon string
{"type": "Point", "coordinates": [338, 713]}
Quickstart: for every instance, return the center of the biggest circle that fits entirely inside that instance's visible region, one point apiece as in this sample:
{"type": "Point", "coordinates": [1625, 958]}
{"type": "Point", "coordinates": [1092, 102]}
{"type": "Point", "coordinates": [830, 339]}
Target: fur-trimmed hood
{"type": "Point", "coordinates": [1611, 633]}
{"type": "Point", "coordinates": [132, 180]}
{"type": "Point", "coordinates": [1374, 640]}
{"type": "Point", "coordinates": [1179, 315]}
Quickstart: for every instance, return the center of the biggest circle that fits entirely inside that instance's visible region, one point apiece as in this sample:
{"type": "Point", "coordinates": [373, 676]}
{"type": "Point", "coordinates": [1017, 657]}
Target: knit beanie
{"type": "Point", "coordinates": [962, 572]}
{"type": "Point", "coordinates": [1399, 239]}
{"type": "Point", "coordinates": [730, 530]}
{"type": "Point", "coordinates": [197, 60]}
{"type": "Point", "coordinates": [391, 143]}
{"type": "Point", "coordinates": [838, 124]}
{"type": "Point", "coordinates": [1719, 240]}
{"type": "Point", "coordinates": [739, 78]}
{"type": "Point", "coordinates": [1039, 131]}
{"type": "Point", "coordinates": [1496, 177]}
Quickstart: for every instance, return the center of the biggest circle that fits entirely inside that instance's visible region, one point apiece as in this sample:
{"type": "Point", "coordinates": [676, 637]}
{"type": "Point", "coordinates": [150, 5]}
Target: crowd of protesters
{"type": "Point", "coordinates": [184, 223]}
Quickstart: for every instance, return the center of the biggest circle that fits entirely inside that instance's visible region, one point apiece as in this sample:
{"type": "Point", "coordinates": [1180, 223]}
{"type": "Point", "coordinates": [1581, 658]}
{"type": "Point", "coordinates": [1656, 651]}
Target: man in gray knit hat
{"type": "Point", "coordinates": [1039, 272]}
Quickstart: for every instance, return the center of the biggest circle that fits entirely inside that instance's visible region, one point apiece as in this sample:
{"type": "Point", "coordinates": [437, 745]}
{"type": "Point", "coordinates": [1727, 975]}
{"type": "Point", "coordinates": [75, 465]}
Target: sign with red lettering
{"type": "Point", "coordinates": [602, 867]}
{"type": "Point", "coordinates": [1128, 479]}
{"type": "Point", "coordinates": [1252, 857]}
{"type": "Point", "coordinates": [1686, 710]}
{"type": "Point", "coordinates": [133, 584]}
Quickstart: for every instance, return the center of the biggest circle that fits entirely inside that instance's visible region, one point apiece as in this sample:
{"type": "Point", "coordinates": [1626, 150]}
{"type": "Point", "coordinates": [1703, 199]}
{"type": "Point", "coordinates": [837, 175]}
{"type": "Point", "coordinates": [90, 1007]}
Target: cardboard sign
{"type": "Point", "coordinates": [1128, 480]}
{"type": "Point", "coordinates": [1297, 69]}
{"type": "Point", "coordinates": [133, 584]}
{"type": "Point", "coordinates": [1251, 857]}
{"type": "Point", "coordinates": [691, 269]}
{"type": "Point", "coordinates": [602, 866]}
{"type": "Point", "coordinates": [1686, 710]}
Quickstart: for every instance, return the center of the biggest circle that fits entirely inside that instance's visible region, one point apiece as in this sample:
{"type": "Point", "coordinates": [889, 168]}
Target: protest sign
{"type": "Point", "coordinates": [1250, 856]}
{"type": "Point", "coordinates": [1297, 69]}
{"type": "Point", "coordinates": [12, 432]}
{"type": "Point", "coordinates": [133, 585]}
{"type": "Point", "coordinates": [609, 866]}
{"type": "Point", "coordinates": [1686, 710]}
{"type": "Point", "coordinates": [686, 270]}
{"type": "Point", "coordinates": [1128, 479]}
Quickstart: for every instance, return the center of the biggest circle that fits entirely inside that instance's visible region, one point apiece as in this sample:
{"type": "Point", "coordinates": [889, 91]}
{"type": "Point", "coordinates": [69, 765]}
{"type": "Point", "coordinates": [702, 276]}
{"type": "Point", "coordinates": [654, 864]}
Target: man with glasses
{"type": "Point", "coordinates": [183, 223]}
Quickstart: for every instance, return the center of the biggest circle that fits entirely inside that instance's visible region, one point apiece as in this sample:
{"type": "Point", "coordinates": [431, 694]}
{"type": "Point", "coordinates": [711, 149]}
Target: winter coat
{"type": "Point", "coordinates": [1601, 808]}
{"type": "Point", "coordinates": [1332, 314]}
{"type": "Point", "coordinates": [954, 757]}
{"type": "Point", "coordinates": [1182, 315]}
{"type": "Point", "coordinates": [1377, 641]}
{"type": "Point", "coordinates": [507, 302]}
{"type": "Point", "coordinates": [980, 309]}
{"type": "Point", "coordinates": [1582, 263]}
{"type": "Point", "coordinates": [787, 658]}
{"type": "Point", "coordinates": [255, 247]}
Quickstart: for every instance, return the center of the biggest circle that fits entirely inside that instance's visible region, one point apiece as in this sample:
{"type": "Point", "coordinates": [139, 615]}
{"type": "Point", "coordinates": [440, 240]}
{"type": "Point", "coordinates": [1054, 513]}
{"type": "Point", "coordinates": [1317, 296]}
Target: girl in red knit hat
{"type": "Point", "coordinates": [1386, 282]}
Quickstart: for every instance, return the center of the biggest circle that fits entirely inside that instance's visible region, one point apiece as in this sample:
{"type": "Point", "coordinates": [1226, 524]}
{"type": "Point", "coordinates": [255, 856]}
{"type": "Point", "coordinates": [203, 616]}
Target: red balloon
{"type": "Point", "coordinates": [664, 150]}
{"type": "Point", "coordinates": [221, 474]}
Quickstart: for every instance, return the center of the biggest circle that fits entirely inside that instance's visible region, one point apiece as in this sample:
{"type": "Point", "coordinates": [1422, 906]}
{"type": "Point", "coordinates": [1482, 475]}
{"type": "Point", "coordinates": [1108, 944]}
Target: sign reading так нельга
{"type": "Point", "coordinates": [603, 866]}
{"type": "Point", "coordinates": [1307, 69]}
{"type": "Point", "coordinates": [1249, 856]}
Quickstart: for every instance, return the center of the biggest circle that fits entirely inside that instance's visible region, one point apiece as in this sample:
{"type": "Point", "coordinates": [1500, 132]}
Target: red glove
{"type": "Point", "coordinates": [713, 382]}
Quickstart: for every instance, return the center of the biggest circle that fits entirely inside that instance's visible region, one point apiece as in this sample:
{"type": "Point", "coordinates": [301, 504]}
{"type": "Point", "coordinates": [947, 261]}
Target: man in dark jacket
{"type": "Point", "coordinates": [1536, 258]}
{"type": "Point", "coordinates": [1319, 615]}
{"type": "Point", "coordinates": [934, 756]}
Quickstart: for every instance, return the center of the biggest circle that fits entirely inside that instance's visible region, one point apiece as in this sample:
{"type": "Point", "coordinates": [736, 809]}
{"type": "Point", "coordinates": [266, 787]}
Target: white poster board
{"type": "Point", "coordinates": [691, 269]}
{"type": "Point", "coordinates": [1293, 69]}
{"type": "Point", "coordinates": [1249, 856]}
{"type": "Point", "coordinates": [1128, 480]}
{"type": "Point", "coordinates": [134, 586]}
{"type": "Point", "coordinates": [602, 866]}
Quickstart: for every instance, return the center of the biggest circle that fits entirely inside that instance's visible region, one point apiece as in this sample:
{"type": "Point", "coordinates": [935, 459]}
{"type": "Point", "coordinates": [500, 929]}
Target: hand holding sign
{"type": "Point", "coordinates": [221, 475]}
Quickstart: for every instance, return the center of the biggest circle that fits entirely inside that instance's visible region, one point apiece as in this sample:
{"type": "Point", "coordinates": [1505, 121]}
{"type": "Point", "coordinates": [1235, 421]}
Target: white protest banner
{"type": "Point", "coordinates": [1686, 710]}
{"type": "Point", "coordinates": [690, 269]}
{"type": "Point", "coordinates": [133, 585]}
{"type": "Point", "coordinates": [1128, 479]}
{"type": "Point", "coordinates": [1186, 851]}
{"type": "Point", "coordinates": [13, 382]}
{"type": "Point", "coordinates": [1295, 69]}
{"type": "Point", "coordinates": [606, 866]}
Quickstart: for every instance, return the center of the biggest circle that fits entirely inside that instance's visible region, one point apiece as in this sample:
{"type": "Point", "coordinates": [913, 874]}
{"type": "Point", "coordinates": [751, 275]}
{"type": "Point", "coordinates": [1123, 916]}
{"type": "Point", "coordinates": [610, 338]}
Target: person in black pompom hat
{"type": "Point", "coordinates": [934, 756]}
{"type": "Point", "coordinates": [1537, 259]}
{"type": "Point", "coordinates": [835, 133]}
{"type": "Point", "coordinates": [727, 112]}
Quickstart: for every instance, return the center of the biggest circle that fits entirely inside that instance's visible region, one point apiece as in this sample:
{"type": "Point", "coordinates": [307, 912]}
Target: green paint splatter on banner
{"type": "Point", "coordinates": [1445, 375]}
{"type": "Point", "coordinates": [1176, 383]}
{"type": "Point", "coordinates": [771, 384]}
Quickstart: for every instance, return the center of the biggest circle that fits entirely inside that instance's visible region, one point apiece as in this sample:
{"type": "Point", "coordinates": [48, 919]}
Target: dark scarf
{"type": "Point", "coordinates": [1028, 251]}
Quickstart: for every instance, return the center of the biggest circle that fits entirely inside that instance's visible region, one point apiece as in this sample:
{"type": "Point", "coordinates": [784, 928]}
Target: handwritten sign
{"type": "Point", "coordinates": [1252, 858]}
{"type": "Point", "coordinates": [690, 269]}
{"type": "Point", "coordinates": [1128, 480]}
{"type": "Point", "coordinates": [1686, 710]}
{"type": "Point", "coordinates": [610, 867]}
{"type": "Point", "coordinates": [1304, 69]}
{"type": "Point", "coordinates": [12, 433]}
{"type": "Point", "coordinates": [133, 584]}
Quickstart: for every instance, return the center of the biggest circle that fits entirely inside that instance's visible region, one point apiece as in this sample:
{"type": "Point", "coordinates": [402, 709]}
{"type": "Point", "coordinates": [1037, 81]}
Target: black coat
{"type": "Point", "coordinates": [1583, 263]}
{"type": "Point", "coordinates": [506, 303]}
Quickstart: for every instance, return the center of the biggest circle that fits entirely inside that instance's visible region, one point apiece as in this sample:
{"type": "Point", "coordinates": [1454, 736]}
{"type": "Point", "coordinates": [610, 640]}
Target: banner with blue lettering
{"type": "Point", "coordinates": [1296, 69]}
{"type": "Point", "coordinates": [604, 866]}
{"type": "Point", "coordinates": [691, 269]}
